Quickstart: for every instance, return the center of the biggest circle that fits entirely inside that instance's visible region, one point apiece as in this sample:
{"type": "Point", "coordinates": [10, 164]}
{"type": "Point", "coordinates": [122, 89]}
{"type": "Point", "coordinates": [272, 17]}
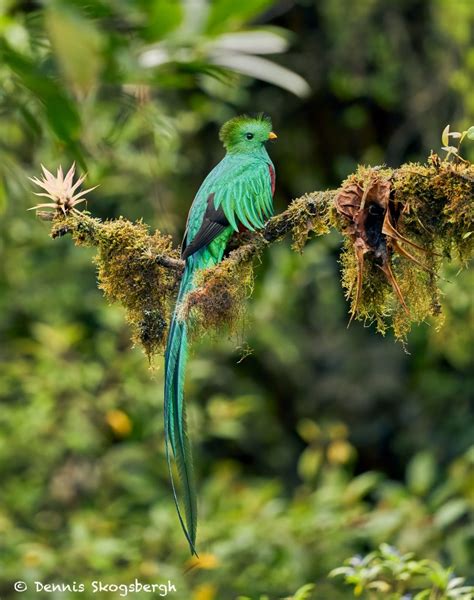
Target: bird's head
{"type": "Point", "coordinates": [246, 134]}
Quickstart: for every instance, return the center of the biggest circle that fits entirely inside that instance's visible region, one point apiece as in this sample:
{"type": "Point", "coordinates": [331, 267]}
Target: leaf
{"type": "Point", "coordinates": [450, 512]}
{"type": "Point", "coordinates": [252, 42]}
{"type": "Point", "coordinates": [470, 133]}
{"type": "Point", "coordinates": [77, 45]}
{"type": "Point", "coordinates": [60, 111]}
{"type": "Point", "coordinates": [3, 196]}
{"type": "Point", "coordinates": [423, 595]}
{"type": "Point", "coordinates": [31, 121]}
{"type": "Point", "coordinates": [451, 149]}
{"type": "Point", "coordinates": [379, 585]}
{"type": "Point", "coordinates": [455, 582]}
{"type": "Point", "coordinates": [304, 592]}
{"type": "Point", "coordinates": [360, 486]}
{"type": "Point", "coordinates": [154, 56]}
{"type": "Point", "coordinates": [263, 69]}
{"type": "Point", "coordinates": [308, 430]}
{"type": "Point", "coordinates": [445, 136]}
{"type": "Point", "coordinates": [226, 15]}
{"type": "Point", "coordinates": [341, 571]}
{"type": "Point", "coordinates": [389, 551]}
{"type": "Point", "coordinates": [309, 463]}
{"type": "Point", "coordinates": [439, 576]}
{"type": "Point", "coordinates": [164, 16]}
{"type": "Point", "coordinates": [359, 588]}
{"type": "Point", "coordinates": [421, 473]}
{"type": "Point", "coordinates": [463, 593]}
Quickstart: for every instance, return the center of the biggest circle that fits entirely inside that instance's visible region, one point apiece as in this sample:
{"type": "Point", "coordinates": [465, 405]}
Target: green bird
{"type": "Point", "coordinates": [237, 194]}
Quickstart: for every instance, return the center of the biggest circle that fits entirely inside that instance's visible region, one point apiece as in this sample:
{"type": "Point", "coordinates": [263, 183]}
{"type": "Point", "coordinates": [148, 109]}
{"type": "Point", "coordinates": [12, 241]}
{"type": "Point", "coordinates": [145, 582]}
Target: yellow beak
{"type": "Point", "coordinates": [272, 136]}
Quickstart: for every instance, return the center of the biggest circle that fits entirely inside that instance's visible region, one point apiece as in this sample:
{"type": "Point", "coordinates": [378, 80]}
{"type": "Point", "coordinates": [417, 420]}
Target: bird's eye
{"type": "Point", "coordinates": [249, 136]}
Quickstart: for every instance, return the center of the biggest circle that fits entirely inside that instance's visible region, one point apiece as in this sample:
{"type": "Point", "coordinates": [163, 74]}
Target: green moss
{"type": "Point", "coordinates": [127, 272]}
{"type": "Point", "coordinates": [437, 199]}
{"type": "Point", "coordinates": [374, 301]}
{"type": "Point", "coordinates": [429, 205]}
{"type": "Point", "coordinates": [219, 300]}
{"type": "Point", "coordinates": [304, 221]}
{"type": "Point", "coordinates": [83, 228]}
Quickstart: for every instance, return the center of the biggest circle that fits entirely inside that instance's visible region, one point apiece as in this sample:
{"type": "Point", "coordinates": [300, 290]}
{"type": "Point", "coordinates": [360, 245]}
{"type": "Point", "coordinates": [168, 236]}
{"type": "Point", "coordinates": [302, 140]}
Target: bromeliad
{"type": "Point", "coordinates": [238, 192]}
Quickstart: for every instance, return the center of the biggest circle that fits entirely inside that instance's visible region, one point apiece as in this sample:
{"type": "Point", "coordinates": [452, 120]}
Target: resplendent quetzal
{"type": "Point", "coordinates": [238, 192]}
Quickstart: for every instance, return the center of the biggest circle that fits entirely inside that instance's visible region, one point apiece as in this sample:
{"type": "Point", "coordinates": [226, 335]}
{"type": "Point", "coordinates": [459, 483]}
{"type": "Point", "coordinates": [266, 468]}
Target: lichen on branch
{"type": "Point", "coordinates": [398, 226]}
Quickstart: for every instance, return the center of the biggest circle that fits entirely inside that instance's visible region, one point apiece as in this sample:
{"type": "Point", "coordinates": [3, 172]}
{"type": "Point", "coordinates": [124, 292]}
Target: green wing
{"type": "Point", "coordinates": [242, 188]}
{"type": "Point", "coordinates": [245, 194]}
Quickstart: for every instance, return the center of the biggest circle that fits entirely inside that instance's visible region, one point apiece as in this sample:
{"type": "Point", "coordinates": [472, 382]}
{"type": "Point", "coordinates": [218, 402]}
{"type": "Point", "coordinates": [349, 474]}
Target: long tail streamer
{"type": "Point", "coordinates": [175, 415]}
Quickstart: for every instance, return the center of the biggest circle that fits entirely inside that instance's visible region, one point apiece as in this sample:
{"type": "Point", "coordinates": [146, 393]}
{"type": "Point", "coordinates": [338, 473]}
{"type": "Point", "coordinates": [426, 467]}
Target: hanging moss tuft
{"type": "Point", "coordinates": [219, 299]}
{"type": "Point", "coordinates": [128, 272]}
{"type": "Point", "coordinates": [398, 225]}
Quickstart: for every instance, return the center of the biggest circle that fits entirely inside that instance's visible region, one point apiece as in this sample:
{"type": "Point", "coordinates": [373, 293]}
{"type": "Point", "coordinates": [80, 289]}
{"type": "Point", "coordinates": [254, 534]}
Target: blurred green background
{"type": "Point", "coordinates": [322, 442]}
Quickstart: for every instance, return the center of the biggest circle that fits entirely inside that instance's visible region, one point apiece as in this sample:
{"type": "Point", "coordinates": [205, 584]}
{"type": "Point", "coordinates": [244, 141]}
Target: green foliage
{"type": "Point", "coordinates": [386, 573]}
{"type": "Point", "coordinates": [52, 102]}
{"type": "Point", "coordinates": [456, 135]}
{"type": "Point", "coordinates": [303, 593]}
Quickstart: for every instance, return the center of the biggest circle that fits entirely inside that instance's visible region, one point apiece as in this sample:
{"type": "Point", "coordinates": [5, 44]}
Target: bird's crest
{"type": "Point", "coordinates": [232, 132]}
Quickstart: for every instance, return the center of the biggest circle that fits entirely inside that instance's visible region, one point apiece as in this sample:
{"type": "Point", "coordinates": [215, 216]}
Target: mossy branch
{"type": "Point", "coordinates": [398, 225]}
